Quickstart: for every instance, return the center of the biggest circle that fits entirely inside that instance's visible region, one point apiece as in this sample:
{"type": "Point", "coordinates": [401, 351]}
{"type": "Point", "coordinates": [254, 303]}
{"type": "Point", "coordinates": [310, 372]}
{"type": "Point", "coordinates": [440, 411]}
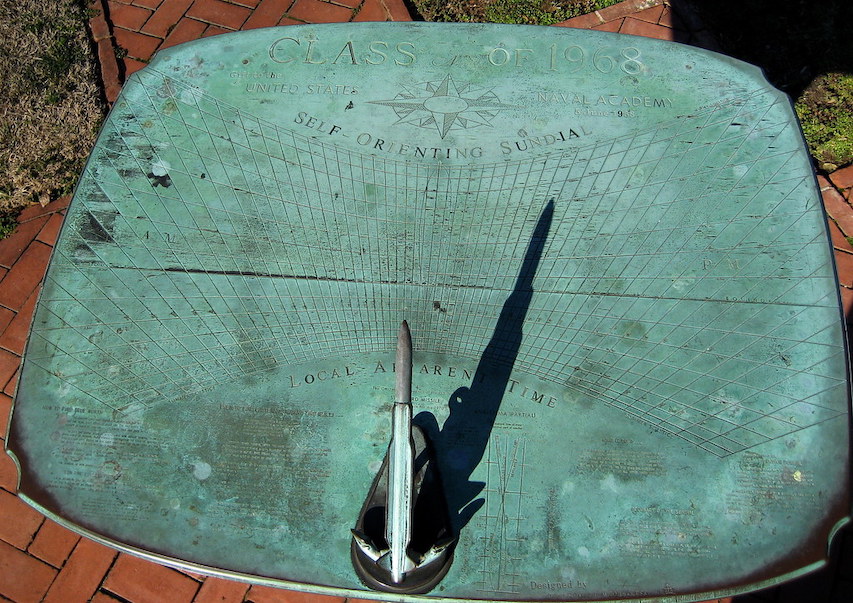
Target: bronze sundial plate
{"type": "Point", "coordinates": [628, 342]}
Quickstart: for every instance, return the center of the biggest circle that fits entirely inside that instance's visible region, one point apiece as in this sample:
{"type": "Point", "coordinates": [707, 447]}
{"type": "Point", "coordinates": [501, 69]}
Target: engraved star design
{"type": "Point", "coordinates": [445, 106]}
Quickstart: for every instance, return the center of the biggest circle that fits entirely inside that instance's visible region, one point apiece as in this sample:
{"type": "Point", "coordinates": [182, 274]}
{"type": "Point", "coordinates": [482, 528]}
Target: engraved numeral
{"type": "Point", "coordinates": [631, 65]}
{"type": "Point", "coordinates": [576, 56]}
{"type": "Point", "coordinates": [602, 61]}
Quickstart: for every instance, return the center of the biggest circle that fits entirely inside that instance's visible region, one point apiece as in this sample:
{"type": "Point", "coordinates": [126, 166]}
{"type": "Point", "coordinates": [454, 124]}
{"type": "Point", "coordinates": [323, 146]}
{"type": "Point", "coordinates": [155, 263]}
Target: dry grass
{"type": "Point", "coordinates": [50, 102]}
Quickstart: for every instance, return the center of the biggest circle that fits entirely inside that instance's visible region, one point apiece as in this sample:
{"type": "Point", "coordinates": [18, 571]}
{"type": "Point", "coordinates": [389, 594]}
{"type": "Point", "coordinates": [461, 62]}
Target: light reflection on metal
{"type": "Point", "coordinates": [402, 461]}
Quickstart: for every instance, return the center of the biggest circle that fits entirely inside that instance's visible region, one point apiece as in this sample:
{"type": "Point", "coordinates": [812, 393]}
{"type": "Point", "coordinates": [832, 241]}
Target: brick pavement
{"type": "Point", "coordinates": [40, 560]}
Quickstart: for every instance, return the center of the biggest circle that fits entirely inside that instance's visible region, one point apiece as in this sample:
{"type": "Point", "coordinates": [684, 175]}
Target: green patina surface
{"type": "Point", "coordinates": [654, 404]}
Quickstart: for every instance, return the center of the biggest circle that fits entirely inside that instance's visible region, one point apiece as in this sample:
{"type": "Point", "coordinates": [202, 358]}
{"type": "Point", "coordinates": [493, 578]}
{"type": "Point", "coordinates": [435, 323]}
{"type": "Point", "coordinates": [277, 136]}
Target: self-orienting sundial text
{"type": "Point", "coordinates": [441, 100]}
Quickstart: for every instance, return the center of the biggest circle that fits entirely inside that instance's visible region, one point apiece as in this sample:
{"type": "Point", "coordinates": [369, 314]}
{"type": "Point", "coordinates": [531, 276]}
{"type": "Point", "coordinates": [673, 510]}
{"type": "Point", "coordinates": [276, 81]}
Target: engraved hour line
{"type": "Point", "coordinates": [212, 220]}
{"type": "Point", "coordinates": [744, 360]}
{"type": "Point", "coordinates": [703, 395]}
{"type": "Point", "coordinates": [141, 207]}
{"type": "Point", "coordinates": [222, 119]}
{"type": "Point", "coordinates": [501, 517]}
{"type": "Point", "coordinates": [54, 344]}
{"type": "Point", "coordinates": [86, 275]}
{"type": "Point", "coordinates": [223, 104]}
{"type": "Point", "coordinates": [747, 361]}
{"type": "Point", "coordinates": [214, 284]}
{"type": "Point", "coordinates": [671, 141]}
{"type": "Point", "coordinates": [608, 333]}
{"type": "Point", "coordinates": [721, 355]}
{"type": "Point", "coordinates": [280, 301]}
{"type": "Point", "coordinates": [793, 401]}
{"type": "Point", "coordinates": [278, 182]}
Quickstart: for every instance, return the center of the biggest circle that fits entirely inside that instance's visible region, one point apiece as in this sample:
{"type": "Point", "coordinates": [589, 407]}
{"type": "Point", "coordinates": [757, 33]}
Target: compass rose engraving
{"type": "Point", "coordinates": [445, 106]}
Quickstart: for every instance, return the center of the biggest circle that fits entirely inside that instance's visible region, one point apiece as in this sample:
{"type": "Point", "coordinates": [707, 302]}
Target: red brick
{"type": "Point", "coordinates": [268, 13]}
{"type": "Point", "coordinates": [14, 245]}
{"type": "Point", "coordinates": [249, 3]}
{"type": "Point", "coordinates": [6, 317]}
{"type": "Point", "coordinates": [82, 573]}
{"type": "Point", "coordinates": [194, 575]}
{"type": "Point", "coordinates": [288, 21]}
{"type": "Point", "coordinates": [670, 18]}
{"type": "Point", "coordinates": [351, 4]}
{"type": "Point", "coordinates": [214, 30]}
{"type": "Point", "coordinates": [267, 594]}
{"type": "Point", "coordinates": [844, 265]}
{"type": "Point", "coordinates": [128, 16]}
{"type": "Point", "coordinates": [217, 590]}
{"type": "Point", "coordinates": [315, 11]}
{"type": "Point", "coordinates": [23, 578]}
{"type": "Point", "coordinates": [610, 25]}
{"type": "Point", "coordinates": [651, 15]}
{"type": "Point", "coordinates": [372, 10]}
{"type": "Point", "coordinates": [169, 13]}
{"type": "Point", "coordinates": [139, 46]}
{"type": "Point", "coordinates": [24, 276]}
{"type": "Point", "coordinates": [36, 210]}
{"type": "Point", "coordinates": [229, 16]}
{"type": "Point", "coordinates": [9, 390]}
{"type": "Point", "coordinates": [636, 27]}
{"type": "Point", "coordinates": [99, 27]}
{"type": "Point", "coordinates": [102, 597]}
{"type": "Point", "coordinates": [9, 364]}
{"type": "Point", "coordinates": [15, 336]}
{"type": "Point", "coordinates": [8, 468]}
{"type": "Point", "coordinates": [587, 21]}
{"type": "Point", "coordinates": [186, 30]}
{"type": "Point", "coordinates": [839, 241]}
{"type": "Point", "coordinates": [18, 521]}
{"type": "Point", "coordinates": [397, 10]}
{"type": "Point", "coordinates": [152, 4]}
{"type": "Point", "coordinates": [131, 66]}
{"type": "Point", "coordinates": [142, 581]}
{"type": "Point", "coordinates": [60, 204]}
{"type": "Point", "coordinates": [53, 543]}
{"type": "Point", "coordinates": [843, 178]}
{"type": "Point", "coordinates": [628, 7]}
{"type": "Point", "coordinates": [109, 69]}
{"type": "Point", "coordinates": [835, 205]}
{"type": "Point", "coordinates": [847, 302]}
{"type": "Point", "coordinates": [50, 231]}
{"type": "Point", "coordinates": [5, 411]}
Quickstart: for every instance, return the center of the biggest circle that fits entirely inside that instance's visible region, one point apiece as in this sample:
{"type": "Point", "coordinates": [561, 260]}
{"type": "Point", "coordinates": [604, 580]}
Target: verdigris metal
{"type": "Point", "coordinates": [653, 402]}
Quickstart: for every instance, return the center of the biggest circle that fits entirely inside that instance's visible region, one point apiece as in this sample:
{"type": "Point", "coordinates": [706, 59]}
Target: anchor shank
{"type": "Point", "coordinates": [398, 526]}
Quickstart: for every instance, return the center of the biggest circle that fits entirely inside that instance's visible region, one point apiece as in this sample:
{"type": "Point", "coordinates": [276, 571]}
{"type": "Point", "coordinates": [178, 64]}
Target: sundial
{"type": "Point", "coordinates": [622, 371]}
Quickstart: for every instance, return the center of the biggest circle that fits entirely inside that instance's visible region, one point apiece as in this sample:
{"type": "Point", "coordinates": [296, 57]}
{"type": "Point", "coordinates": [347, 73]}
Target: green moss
{"type": "Point", "coordinates": [537, 12]}
{"type": "Point", "coordinates": [825, 110]}
{"type": "Point", "coordinates": [8, 222]}
{"type": "Point", "coordinates": [521, 12]}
